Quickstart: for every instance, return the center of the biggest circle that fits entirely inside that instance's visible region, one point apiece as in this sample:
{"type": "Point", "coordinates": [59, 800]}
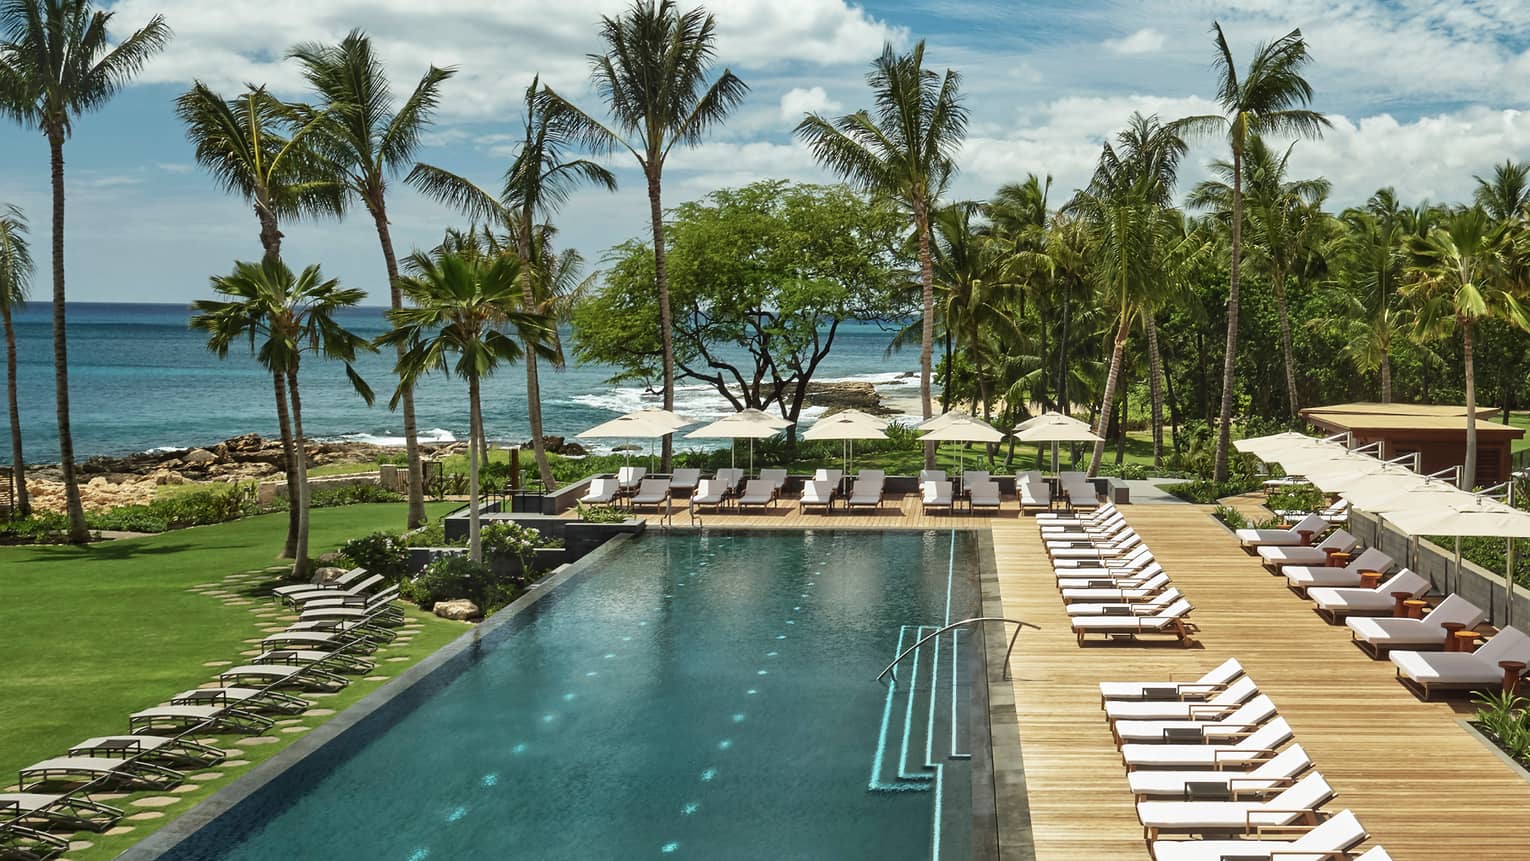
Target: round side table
{"type": "Point", "coordinates": [1512, 670]}
{"type": "Point", "coordinates": [1451, 629]}
{"type": "Point", "coordinates": [1466, 641]}
{"type": "Point", "coordinates": [1415, 607]}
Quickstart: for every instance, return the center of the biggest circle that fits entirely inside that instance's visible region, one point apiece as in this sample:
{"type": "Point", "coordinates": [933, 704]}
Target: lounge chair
{"type": "Point", "coordinates": [1236, 750]}
{"type": "Point", "coordinates": [1268, 776]}
{"type": "Point", "coordinates": [1317, 554]}
{"type": "Point", "coordinates": [1146, 607]}
{"type": "Point", "coordinates": [1300, 578]}
{"type": "Point", "coordinates": [1139, 557]}
{"type": "Point", "coordinates": [931, 475]}
{"type": "Point", "coordinates": [1332, 839]}
{"type": "Point", "coordinates": [935, 494]}
{"type": "Point", "coordinates": [1108, 550]}
{"type": "Point", "coordinates": [386, 616]}
{"type": "Point", "coordinates": [60, 812]}
{"type": "Point", "coordinates": [877, 475]}
{"type": "Point", "coordinates": [602, 491]}
{"type": "Point", "coordinates": [777, 479]}
{"type": "Point", "coordinates": [732, 480]}
{"type": "Point", "coordinates": [1334, 604]}
{"type": "Point", "coordinates": [1298, 803]}
{"type": "Point", "coordinates": [684, 481]}
{"type": "Point", "coordinates": [211, 719]}
{"type": "Point", "coordinates": [336, 662]}
{"type": "Point", "coordinates": [1108, 578]}
{"type": "Point", "coordinates": [1080, 490]}
{"type": "Point", "coordinates": [629, 477]}
{"type": "Point", "coordinates": [303, 676]}
{"type": "Point", "coordinates": [834, 477]}
{"type": "Point", "coordinates": [152, 748]}
{"type": "Point", "coordinates": [127, 773]}
{"type": "Point", "coordinates": [867, 492]}
{"type": "Point", "coordinates": [1214, 680]}
{"type": "Point", "coordinates": [355, 643]}
{"type": "Point", "coordinates": [248, 699]}
{"type": "Point", "coordinates": [1219, 723]}
{"type": "Point", "coordinates": [1333, 514]}
{"type": "Point", "coordinates": [1034, 495]}
{"type": "Point", "coordinates": [344, 581]}
{"type": "Point", "coordinates": [652, 492]}
{"type": "Point", "coordinates": [1170, 621]}
{"type": "Point", "coordinates": [1427, 672]}
{"type": "Point", "coordinates": [1116, 594]}
{"type": "Point", "coordinates": [362, 588]}
{"type": "Point", "coordinates": [1379, 636]}
{"type": "Point", "coordinates": [382, 601]}
{"type": "Point", "coordinates": [366, 630]}
{"type": "Point", "coordinates": [758, 493]}
{"type": "Point", "coordinates": [1312, 524]}
{"type": "Point", "coordinates": [1060, 518]}
{"type": "Point", "coordinates": [1094, 533]}
{"type": "Point", "coordinates": [984, 495]}
{"type": "Point", "coordinates": [28, 844]}
{"type": "Point", "coordinates": [710, 493]}
{"type": "Point", "coordinates": [971, 477]}
{"type": "Point", "coordinates": [818, 493]}
{"type": "Point", "coordinates": [1225, 701]}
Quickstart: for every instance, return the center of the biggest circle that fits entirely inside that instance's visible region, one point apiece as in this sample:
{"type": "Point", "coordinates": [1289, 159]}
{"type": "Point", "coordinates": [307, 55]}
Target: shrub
{"type": "Point", "coordinates": [1128, 471]}
{"type": "Point", "coordinates": [1230, 516]}
{"type": "Point", "coordinates": [1506, 716]}
{"type": "Point", "coordinates": [43, 527]}
{"type": "Point", "coordinates": [454, 576]}
{"type": "Point", "coordinates": [129, 518]}
{"type": "Point", "coordinates": [431, 535]}
{"type": "Point", "coordinates": [382, 553]}
{"type": "Point", "coordinates": [600, 514]}
{"type": "Point", "coordinates": [1296, 498]}
{"type": "Point", "coordinates": [351, 494]}
{"type": "Point", "coordinates": [1207, 492]}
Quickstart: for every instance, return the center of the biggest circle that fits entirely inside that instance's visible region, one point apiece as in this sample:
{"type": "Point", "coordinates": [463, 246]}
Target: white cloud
{"type": "Point", "coordinates": [1144, 41]}
{"type": "Point", "coordinates": [176, 167]}
{"type": "Point", "coordinates": [804, 100]}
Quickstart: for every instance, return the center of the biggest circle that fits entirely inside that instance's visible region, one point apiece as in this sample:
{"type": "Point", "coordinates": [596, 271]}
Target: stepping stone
{"type": "Point", "coordinates": [148, 814]}
{"type": "Point", "coordinates": [320, 712]}
{"type": "Point", "coordinates": [77, 845]}
{"type": "Point", "coordinates": [289, 721]}
{"type": "Point", "coordinates": [185, 788]}
{"type": "Point", "coordinates": [119, 830]}
{"type": "Point", "coordinates": [397, 659]}
{"type": "Point", "coordinates": [292, 729]}
{"type": "Point", "coordinates": [235, 763]}
{"type": "Point", "coordinates": [319, 695]}
{"type": "Point", "coordinates": [217, 663]}
{"type": "Point", "coordinates": [160, 800]}
{"type": "Point", "coordinates": [207, 776]}
{"type": "Point", "coordinates": [210, 741]}
{"type": "Point", "coordinates": [205, 586]}
{"type": "Point", "coordinates": [209, 685]}
{"type": "Point", "coordinates": [250, 653]}
{"type": "Point", "coordinates": [232, 752]}
{"type": "Point", "coordinates": [274, 629]}
{"type": "Point", "coordinates": [255, 640]}
{"type": "Point", "coordinates": [238, 602]}
{"type": "Point", "coordinates": [376, 678]}
{"type": "Point", "coordinates": [255, 740]}
{"type": "Point", "coordinates": [219, 593]}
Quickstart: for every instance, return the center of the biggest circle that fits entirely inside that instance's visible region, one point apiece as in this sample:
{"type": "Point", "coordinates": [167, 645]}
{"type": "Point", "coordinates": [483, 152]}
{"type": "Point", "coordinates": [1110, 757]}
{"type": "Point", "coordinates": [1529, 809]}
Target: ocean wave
{"type": "Point", "coordinates": [389, 440]}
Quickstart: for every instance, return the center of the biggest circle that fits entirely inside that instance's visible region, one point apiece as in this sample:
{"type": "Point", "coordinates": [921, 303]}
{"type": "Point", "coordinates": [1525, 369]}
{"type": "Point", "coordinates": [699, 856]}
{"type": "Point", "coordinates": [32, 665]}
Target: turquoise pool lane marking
{"type": "Point", "coordinates": [908, 716]}
{"type": "Point", "coordinates": [877, 784]}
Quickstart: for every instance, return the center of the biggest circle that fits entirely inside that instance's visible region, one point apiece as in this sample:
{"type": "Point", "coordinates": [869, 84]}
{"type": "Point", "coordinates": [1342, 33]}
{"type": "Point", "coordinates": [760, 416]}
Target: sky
{"type": "Point", "coordinates": [1423, 95]}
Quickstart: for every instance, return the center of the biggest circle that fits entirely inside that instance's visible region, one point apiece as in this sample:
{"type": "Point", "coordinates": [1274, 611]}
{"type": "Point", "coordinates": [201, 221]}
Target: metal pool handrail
{"type": "Point", "coordinates": [974, 620]}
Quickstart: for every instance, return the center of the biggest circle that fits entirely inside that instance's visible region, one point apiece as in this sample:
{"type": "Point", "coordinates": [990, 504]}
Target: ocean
{"type": "Point", "coordinates": [141, 379]}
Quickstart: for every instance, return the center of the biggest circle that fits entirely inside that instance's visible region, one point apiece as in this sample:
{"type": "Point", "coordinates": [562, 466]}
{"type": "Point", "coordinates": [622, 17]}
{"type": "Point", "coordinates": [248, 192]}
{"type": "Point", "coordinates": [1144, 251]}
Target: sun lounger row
{"type": "Point", "coordinates": [1109, 582]}
{"type": "Point", "coordinates": [1208, 759]}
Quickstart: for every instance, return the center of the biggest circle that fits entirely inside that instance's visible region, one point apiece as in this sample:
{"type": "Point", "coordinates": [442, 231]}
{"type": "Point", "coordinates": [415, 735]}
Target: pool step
{"type": "Point", "coordinates": [923, 725]}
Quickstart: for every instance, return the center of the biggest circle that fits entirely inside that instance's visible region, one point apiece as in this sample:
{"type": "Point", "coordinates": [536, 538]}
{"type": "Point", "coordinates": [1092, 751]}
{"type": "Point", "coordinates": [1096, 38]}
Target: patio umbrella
{"type": "Point", "coordinates": [1385, 495]}
{"type": "Point", "coordinates": [749, 423]}
{"type": "Point", "coordinates": [1474, 516]}
{"type": "Point", "coordinates": [1054, 428]}
{"type": "Point", "coordinates": [940, 421]}
{"type": "Point", "coordinates": [847, 426]}
{"type": "Point", "coordinates": [649, 424]}
{"type": "Point", "coordinates": [962, 428]}
{"type": "Point", "coordinates": [1267, 448]}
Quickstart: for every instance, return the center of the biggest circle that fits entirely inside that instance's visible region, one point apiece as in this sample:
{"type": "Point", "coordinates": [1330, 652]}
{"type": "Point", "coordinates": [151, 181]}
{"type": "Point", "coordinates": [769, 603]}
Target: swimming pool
{"type": "Point", "coordinates": [701, 695]}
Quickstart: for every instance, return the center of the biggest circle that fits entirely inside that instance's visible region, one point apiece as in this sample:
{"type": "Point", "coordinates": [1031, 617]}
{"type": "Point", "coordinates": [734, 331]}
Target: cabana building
{"type": "Point", "coordinates": [1437, 432]}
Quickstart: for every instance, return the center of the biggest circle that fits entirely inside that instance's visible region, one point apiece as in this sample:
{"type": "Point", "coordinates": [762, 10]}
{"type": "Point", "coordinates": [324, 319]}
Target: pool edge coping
{"type": "Point", "coordinates": [248, 784]}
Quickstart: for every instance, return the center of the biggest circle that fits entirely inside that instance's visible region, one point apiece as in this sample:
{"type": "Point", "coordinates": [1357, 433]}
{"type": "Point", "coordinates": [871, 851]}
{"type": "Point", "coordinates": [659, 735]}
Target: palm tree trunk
{"type": "Point", "coordinates": [666, 322]}
{"type": "Point", "coordinates": [1469, 470]}
{"type": "Point", "coordinates": [18, 464]}
{"type": "Point", "coordinates": [927, 324]}
{"type": "Point", "coordinates": [1062, 356]}
{"type": "Point", "coordinates": [1288, 353]}
{"type": "Point", "coordinates": [284, 422]}
{"type": "Point", "coordinates": [1155, 386]}
{"type": "Point", "coordinates": [416, 517]}
{"type": "Point", "coordinates": [533, 378]}
{"type": "Point", "coordinates": [475, 541]}
{"type": "Point", "coordinates": [1111, 379]}
{"type": "Point", "coordinates": [945, 390]}
{"type": "Point", "coordinates": [1229, 358]}
{"type": "Point", "coordinates": [299, 502]}
{"type": "Point", "coordinates": [78, 533]}
{"type": "Point", "coordinates": [1386, 374]}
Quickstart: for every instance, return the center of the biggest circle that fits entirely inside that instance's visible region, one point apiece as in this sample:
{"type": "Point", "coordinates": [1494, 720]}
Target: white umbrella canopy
{"type": "Point", "coordinates": [1267, 447]}
{"type": "Point", "coordinates": [1380, 494]}
{"type": "Point", "coordinates": [963, 428]}
{"type": "Point", "coordinates": [641, 424]}
{"type": "Point", "coordinates": [940, 421]}
{"type": "Point", "coordinates": [748, 423]}
{"type": "Point", "coordinates": [1054, 427]}
{"type": "Point", "coordinates": [1471, 516]}
{"type": "Point", "coordinates": [847, 426]}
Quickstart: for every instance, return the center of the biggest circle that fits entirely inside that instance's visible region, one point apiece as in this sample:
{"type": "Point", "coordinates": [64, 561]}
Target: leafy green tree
{"type": "Point", "coordinates": [1463, 272]}
{"type": "Point", "coordinates": [1269, 98]}
{"type": "Point", "coordinates": [243, 143]}
{"type": "Point", "coordinates": [461, 304]}
{"type": "Point", "coordinates": [1506, 195]}
{"type": "Point", "coordinates": [57, 62]}
{"type": "Point", "coordinates": [283, 316]}
{"type": "Point", "coordinates": [762, 279]}
{"type": "Point", "coordinates": [653, 78]}
{"type": "Point", "coordinates": [907, 152]}
{"type": "Point", "coordinates": [540, 178]}
{"type": "Point", "coordinates": [369, 139]}
{"type": "Point", "coordinates": [15, 282]}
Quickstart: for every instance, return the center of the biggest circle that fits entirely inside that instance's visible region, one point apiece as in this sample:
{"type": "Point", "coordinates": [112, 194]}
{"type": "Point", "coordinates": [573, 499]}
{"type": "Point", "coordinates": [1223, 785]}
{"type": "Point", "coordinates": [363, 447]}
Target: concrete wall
{"type": "Point", "coordinates": [1474, 583]}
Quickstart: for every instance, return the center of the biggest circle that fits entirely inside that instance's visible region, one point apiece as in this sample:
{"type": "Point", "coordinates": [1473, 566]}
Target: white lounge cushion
{"type": "Point", "coordinates": [1267, 775]}
{"type": "Point", "coordinates": [1324, 843]}
{"type": "Point", "coordinates": [1289, 806]}
{"type": "Point", "coordinates": [1428, 631]}
{"type": "Point", "coordinates": [1225, 701]}
{"type": "Point", "coordinates": [1252, 748]}
{"type": "Point", "coordinates": [1360, 600]}
{"type": "Point", "coordinates": [1217, 677]}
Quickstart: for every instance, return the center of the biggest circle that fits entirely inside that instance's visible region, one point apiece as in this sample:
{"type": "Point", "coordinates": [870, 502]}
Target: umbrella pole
{"type": "Point", "coordinates": [1508, 584]}
{"type": "Point", "coordinates": [1458, 562]}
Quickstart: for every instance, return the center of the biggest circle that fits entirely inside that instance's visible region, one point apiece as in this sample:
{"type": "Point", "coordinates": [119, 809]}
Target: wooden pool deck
{"type": "Point", "coordinates": [1420, 783]}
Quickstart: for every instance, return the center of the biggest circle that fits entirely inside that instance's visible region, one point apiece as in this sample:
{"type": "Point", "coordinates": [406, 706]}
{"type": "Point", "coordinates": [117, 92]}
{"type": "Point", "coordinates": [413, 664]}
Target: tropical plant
{"type": "Point", "coordinates": [907, 151]}
{"type": "Point", "coordinates": [461, 302]}
{"type": "Point", "coordinates": [369, 140]}
{"type": "Point", "coordinates": [653, 79]}
{"type": "Point", "coordinates": [1368, 267]}
{"type": "Point", "coordinates": [243, 144]}
{"type": "Point", "coordinates": [382, 553]}
{"type": "Point", "coordinates": [283, 316]}
{"type": "Point", "coordinates": [1270, 98]}
{"type": "Point", "coordinates": [1506, 196]}
{"type": "Point", "coordinates": [15, 281]}
{"type": "Point", "coordinates": [57, 62]}
{"type": "Point", "coordinates": [1460, 273]}
{"type": "Point", "coordinates": [539, 179]}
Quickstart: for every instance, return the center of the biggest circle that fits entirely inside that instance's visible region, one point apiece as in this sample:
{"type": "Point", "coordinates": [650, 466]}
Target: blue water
{"type": "Point", "coordinates": [703, 696]}
{"type": "Point", "coordinates": [141, 379]}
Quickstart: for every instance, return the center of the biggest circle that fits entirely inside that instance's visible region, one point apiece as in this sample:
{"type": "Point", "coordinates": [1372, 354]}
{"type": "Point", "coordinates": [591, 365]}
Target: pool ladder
{"type": "Point", "coordinates": [975, 620]}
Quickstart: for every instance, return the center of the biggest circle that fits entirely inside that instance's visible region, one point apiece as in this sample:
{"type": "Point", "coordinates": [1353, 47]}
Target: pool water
{"type": "Point", "coordinates": [692, 696]}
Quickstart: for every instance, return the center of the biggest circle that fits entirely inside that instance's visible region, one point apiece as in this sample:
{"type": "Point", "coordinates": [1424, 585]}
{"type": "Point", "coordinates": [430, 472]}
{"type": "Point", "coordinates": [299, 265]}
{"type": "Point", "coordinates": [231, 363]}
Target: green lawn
{"type": "Point", "coordinates": [93, 633]}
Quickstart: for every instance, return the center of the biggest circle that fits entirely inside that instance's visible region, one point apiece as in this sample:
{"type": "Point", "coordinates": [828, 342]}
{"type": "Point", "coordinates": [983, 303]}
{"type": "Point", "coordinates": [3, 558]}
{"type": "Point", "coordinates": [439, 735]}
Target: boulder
{"type": "Point", "coordinates": [459, 610]}
{"type": "Point", "coordinates": [333, 557]}
{"type": "Point", "coordinates": [166, 476]}
{"type": "Point", "coordinates": [327, 575]}
{"type": "Point", "coordinates": [199, 456]}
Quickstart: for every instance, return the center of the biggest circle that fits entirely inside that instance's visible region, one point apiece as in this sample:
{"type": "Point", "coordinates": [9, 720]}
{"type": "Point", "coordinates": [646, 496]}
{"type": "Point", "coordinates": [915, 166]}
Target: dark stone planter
{"type": "Point", "coordinates": [580, 537]}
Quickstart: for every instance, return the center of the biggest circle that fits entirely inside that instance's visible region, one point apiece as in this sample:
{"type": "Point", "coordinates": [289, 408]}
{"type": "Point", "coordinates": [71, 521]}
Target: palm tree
{"type": "Point", "coordinates": [371, 140]}
{"type": "Point", "coordinates": [1285, 216]}
{"type": "Point", "coordinates": [540, 178]}
{"type": "Point", "coordinates": [906, 152]}
{"type": "Point", "coordinates": [653, 78]}
{"type": "Point", "coordinates": [1366, 314]}
{"type": "Point", "coordinates": [57, 63]}
{"type": "Point", "coordinates": [284, 316]}
{"type": "Point", "coordinates": [1270, 98]}
{"type": "Point", "coordinates": [15, 281]}
{"type": "Point", "coordinates": [241, 142]}
{"type": "Point", "coordinates": [461, 302]}
{"type": "Point", "coordinates": [1507, 195]}
{"type": "Point", "coordinates": [1460, 273]}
